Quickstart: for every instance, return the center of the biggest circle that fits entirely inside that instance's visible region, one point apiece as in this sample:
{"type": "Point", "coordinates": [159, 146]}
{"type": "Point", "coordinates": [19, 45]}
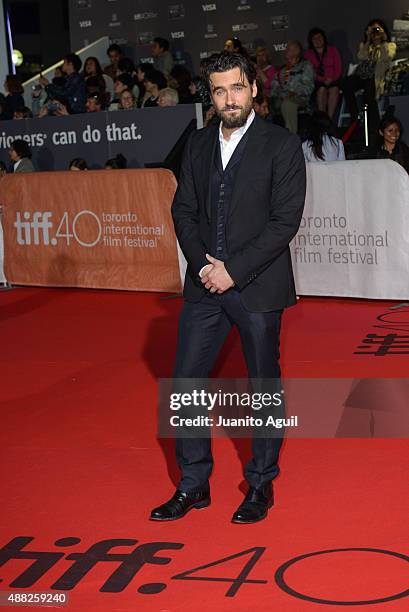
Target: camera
{"type": "Point", "coordinates": [377, 30]}
{"type": "Point", "coordinates": [53, 107]}
{"type": "Point", "coordinates": [36, 87]}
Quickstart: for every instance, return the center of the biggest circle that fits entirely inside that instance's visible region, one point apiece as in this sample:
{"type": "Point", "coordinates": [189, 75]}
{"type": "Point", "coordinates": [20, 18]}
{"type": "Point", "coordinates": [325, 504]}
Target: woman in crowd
{"type": "Point", "coordinates": [20, 155]}
{"type": "Point", "coordinates": [126, 66]}
{"type": "Point", "coordinates": [154, 82]}
{"type": "Point", "coordinates": [13, 100]}
{"type": "Point", "coordinates": [92, 70]}
{"type": "Point", "coordinates": [292, 86]}
{"type": "Point", "coordinates": [168, 97]}
{"type": "Point", "coordinates": [321, 144]}
{"type": "Point", "coordinates": [265, 70]}
{"type": "Point", "coordinates": [122, 82]}
{"type": "Point", "coordinates": [390, 145]}
{"type": "Point", "coordinates": [116, 163]}
{"type": "Point", "coordinates": [127, 100]}
{"type": "Point", "coordinates": [142, 71]}
{"type": "Point", "coordinates": [375, 55]}
{"type": "Point", "coordinates": [78, 163]}
{"type": "Point", "coordinates": [327, 65]}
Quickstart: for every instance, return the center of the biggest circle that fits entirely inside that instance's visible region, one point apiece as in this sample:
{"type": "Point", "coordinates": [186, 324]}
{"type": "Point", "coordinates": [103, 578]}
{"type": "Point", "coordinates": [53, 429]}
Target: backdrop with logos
{"type": "Point", "coordinates": [197, 28]}
{"type": "Point", "coordinates": [141, 135]}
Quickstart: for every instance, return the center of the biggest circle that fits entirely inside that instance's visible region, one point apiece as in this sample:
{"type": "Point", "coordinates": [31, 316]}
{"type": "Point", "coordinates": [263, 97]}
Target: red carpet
{"type": "Point", "coordinates": [80, 460]}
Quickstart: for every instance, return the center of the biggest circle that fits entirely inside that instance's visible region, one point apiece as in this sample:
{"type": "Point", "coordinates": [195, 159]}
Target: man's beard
{"type": "Point", "coordinates": [235, 121]}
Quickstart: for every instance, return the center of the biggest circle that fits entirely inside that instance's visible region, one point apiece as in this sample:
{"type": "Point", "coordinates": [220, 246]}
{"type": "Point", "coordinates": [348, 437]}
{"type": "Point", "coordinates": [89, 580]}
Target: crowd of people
{"type": "Point", "coordinates": [309, 84]}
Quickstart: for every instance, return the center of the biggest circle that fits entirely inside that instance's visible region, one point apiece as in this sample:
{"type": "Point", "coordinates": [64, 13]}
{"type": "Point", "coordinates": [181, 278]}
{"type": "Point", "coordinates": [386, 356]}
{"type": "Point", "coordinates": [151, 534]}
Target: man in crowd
{"type": "Point", "coordinates": [20, 155]}
{"type": "Point", "coordinates": [95, 103]}
{"type": "Point", "coordinates": [162, 57]}
{"type": "Point", "coordinates": [115, 54]}
{"type": "Point", "coordinates": [73, 89]}
{"type": "Point", "coordinates": [238, 205]}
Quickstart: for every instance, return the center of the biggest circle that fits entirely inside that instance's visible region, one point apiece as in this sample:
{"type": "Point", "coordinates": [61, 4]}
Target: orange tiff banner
{"type": "Point", "coordinates": [107, 229]}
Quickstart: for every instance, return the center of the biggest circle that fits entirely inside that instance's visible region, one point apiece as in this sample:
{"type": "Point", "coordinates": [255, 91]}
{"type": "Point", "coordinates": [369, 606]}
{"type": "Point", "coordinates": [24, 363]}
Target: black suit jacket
{"type": "Point", "coordinates": [265, 213]}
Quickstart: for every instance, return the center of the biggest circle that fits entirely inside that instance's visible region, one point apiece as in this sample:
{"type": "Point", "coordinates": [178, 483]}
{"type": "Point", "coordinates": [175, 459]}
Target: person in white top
{"type": "Point", "coordinates": [321, 145]}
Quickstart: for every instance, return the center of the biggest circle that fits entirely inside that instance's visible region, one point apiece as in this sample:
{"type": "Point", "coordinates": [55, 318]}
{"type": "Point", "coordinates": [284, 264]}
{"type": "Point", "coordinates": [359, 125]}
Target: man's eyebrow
{"type": "Point", "coordinates": [239, 83]}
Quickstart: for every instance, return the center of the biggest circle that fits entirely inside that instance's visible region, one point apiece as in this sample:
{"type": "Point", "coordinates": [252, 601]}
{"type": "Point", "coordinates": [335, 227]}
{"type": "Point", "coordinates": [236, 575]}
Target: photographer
{"type": "Point", "coordinates": [375, 55]}
{"type": "Point", "coordinates": [73, 89]}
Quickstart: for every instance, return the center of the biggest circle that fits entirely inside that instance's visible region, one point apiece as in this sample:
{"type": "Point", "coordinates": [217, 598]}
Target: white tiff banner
{"type": "Point", "coordinates": [354, 236]}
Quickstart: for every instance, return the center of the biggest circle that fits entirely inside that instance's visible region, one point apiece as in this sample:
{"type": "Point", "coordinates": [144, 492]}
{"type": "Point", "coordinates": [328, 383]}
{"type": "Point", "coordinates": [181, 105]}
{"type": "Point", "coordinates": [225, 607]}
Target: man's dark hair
{"type": "Point", "coordinates": [72, 58]}
{"type": "Point", "coordinates": [126, 80]}
{"type": "Point", "coordinates": [157, 78]}
{"type": "Point", "coordinates": [21, 147]}
{"type": "Point", "coordinates": [146, 68]}
{"type": "Point", "coordinates": [78, 162]}
{"type": "Point", "coordinates": [14, 85]}
{"type": "Point", "coordinates": [224, 61]}
{"type": "Point", "coordinates": [25, 111]}
{"type": "Point", "coordinates": [98, 97]}
{"type": "Point", "coordinates": [126, 65]}
{"type": "Point", "coordinates": [162, 42]}
{"type": "Point", "coordinates": [116, 163]}
{"type": "Point", "coordinates": [64, 101]}
{"type": "Point", "coordinates": [114, 47]}
{"type": "Point", "coordinates": [96, 82]}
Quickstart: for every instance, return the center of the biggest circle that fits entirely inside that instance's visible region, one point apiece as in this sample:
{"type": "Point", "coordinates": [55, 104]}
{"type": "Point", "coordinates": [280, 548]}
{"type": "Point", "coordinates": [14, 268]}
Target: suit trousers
{"type": "Point", "coordinates": [203, 329]}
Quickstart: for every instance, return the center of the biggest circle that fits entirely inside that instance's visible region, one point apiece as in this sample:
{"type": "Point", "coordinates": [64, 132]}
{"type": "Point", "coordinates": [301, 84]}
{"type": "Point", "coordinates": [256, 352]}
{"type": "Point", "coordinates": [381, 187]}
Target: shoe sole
{"type": "Point", "coordinates": [199, 506]}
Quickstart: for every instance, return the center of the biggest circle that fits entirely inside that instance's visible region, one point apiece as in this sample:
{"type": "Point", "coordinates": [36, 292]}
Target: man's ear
{"type": "Point", "coordinates": [254, 89]}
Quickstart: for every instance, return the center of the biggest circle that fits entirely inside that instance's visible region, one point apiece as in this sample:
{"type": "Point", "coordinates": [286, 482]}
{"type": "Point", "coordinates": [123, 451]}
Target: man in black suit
{"type": "Point", "coordinates": [238, 205]}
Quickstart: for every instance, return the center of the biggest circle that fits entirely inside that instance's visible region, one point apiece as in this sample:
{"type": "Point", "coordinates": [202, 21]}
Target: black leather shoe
{"type": "Point", "coordinates": [180, 504]}
{"type": "Point", "coordinates": [255, 506]}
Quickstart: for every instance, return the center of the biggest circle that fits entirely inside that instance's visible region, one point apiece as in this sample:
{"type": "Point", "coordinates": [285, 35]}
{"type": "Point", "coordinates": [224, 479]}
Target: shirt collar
{"type": "Point", "coordinates": [16, 164]}
{"type": "Point", "coordinates": [239, 133]}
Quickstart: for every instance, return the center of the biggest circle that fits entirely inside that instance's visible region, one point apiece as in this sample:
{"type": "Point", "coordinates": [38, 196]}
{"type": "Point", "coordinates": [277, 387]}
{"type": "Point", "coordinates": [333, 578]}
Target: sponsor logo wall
{"type": "Point", "coordinates": [197, 28]}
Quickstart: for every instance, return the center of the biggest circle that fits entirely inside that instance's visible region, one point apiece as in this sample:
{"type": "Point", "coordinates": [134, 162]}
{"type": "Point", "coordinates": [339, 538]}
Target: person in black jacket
{"type": "Point", "coordinates": [73, 89]}
{"type": "Point", "coordinates": [390, 144]}
{"type": "Point", "coordinates": [238, 204]}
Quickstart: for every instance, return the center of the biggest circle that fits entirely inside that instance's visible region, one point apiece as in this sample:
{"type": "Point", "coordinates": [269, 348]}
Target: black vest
{"type": "Point", "coordinates": [222, 185]}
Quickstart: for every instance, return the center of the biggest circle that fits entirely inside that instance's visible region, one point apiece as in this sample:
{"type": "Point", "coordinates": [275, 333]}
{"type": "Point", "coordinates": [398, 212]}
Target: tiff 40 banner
{"type": "Point", "coordinates": [102, 229]}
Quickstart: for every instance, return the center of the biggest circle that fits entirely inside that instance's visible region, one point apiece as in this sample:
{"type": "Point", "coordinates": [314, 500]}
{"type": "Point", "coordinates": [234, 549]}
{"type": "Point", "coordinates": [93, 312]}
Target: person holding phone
{"type": "Point", "coordinates": [375, 55]}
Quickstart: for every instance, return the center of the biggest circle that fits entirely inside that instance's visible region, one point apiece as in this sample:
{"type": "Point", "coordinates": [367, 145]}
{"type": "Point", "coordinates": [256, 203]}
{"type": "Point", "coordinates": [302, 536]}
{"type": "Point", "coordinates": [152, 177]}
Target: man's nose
{"type": "Point", "coordinates": [229, 98]}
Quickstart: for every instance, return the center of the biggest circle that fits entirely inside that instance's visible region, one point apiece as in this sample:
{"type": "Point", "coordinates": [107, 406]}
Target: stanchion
{"type": "Point", "coordinates": [4, 285]}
